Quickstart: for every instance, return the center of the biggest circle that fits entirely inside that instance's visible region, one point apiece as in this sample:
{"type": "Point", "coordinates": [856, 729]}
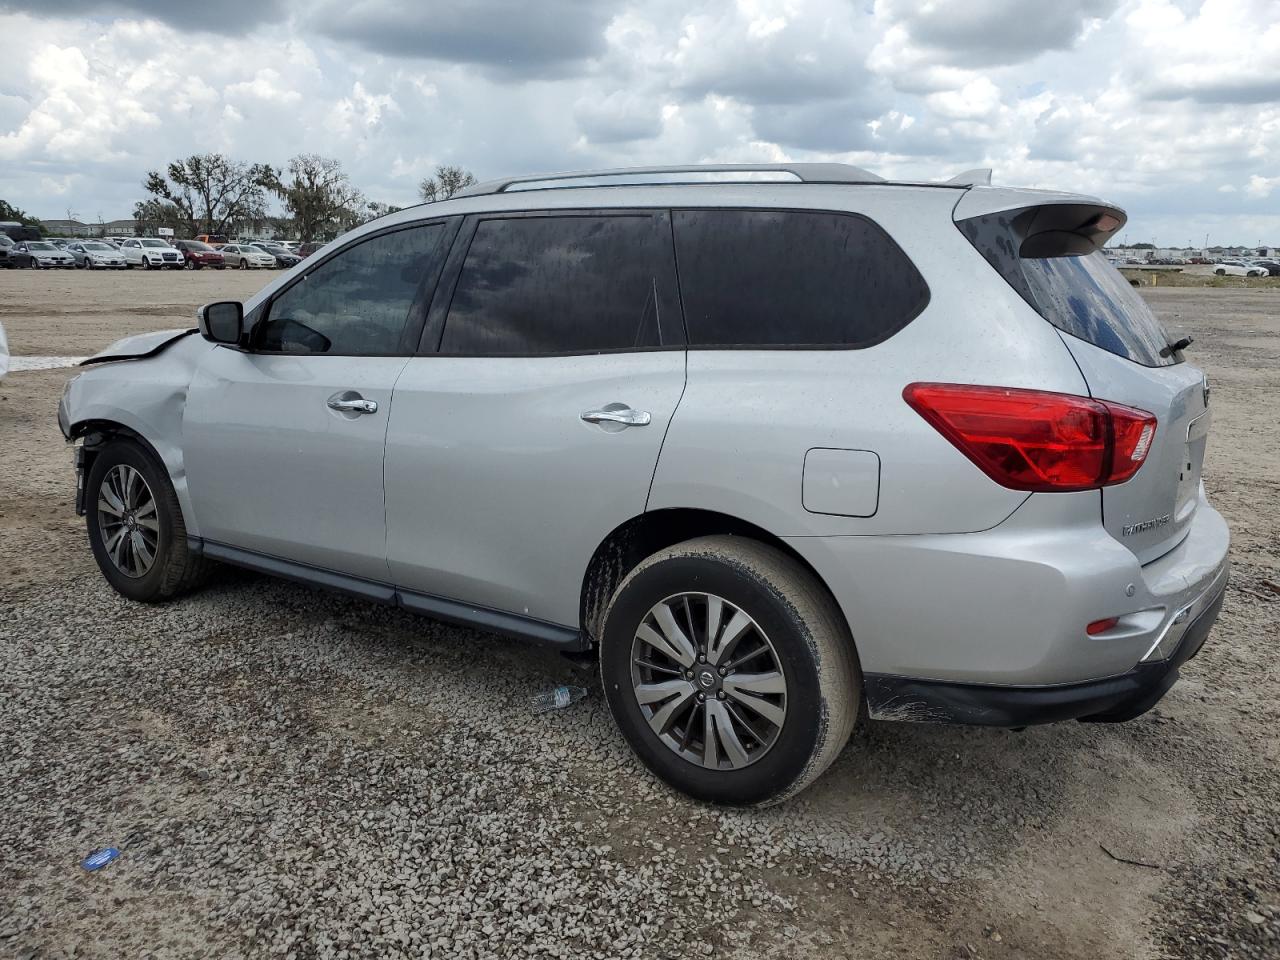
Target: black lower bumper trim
{"type": "Point", "coordinates": [1112, 700]}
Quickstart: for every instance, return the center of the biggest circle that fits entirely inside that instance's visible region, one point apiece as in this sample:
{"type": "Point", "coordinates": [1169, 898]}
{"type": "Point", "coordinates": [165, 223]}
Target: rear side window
{"type": "Point", "coordinates": [1079, 293]}
{"type": "Point", "coordinates": [774, 278]}
{"type": "Point", "coordinates": [574, 284]}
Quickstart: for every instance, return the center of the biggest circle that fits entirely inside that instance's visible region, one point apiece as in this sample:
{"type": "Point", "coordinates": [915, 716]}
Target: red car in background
{"type": "Point", "coordinates": [197, 254]}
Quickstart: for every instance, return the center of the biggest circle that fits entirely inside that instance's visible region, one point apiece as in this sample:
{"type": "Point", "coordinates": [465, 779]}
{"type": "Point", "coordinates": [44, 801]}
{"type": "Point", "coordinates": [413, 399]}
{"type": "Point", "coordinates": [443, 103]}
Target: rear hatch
{"type": "Point", "coordinates": [1050, 253]}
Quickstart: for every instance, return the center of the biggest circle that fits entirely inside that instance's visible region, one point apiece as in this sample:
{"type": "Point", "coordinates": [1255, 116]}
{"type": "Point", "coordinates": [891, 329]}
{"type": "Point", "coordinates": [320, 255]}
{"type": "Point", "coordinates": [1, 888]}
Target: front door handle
{"type": "Point", "coordinates": [346, 404]}
{"type": "Point", "coordinates": [618, 414]}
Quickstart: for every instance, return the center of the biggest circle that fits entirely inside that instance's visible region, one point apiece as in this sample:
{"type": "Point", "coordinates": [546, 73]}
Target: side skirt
{"type": "Point", "coordinates": [440, 608]}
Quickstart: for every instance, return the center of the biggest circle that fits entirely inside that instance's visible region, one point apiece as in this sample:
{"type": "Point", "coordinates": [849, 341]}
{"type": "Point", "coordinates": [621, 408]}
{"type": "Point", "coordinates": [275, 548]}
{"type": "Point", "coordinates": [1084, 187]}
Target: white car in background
{"type": "Point", "coordinates": [151, 253]}
{"type": "Point", "coordinates": [1237, 268]}
{"type": "Point", "coordinates": [245, 256]}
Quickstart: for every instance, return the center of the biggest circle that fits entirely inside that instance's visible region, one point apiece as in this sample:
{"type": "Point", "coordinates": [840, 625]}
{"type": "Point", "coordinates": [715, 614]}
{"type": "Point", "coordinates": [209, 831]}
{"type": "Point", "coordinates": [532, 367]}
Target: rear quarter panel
{"type": "Point", "coordinates": [738, 441]}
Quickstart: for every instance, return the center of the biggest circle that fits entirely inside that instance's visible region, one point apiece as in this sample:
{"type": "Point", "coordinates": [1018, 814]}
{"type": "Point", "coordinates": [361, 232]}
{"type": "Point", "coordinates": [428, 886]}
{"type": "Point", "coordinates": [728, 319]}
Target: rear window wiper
{"type": "Point", "coordinates": [1178, 345]}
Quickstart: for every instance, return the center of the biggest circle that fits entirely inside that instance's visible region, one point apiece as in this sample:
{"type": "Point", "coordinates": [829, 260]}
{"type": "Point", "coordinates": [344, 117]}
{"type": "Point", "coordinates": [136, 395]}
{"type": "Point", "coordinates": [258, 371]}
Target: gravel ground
{"type": "Point", "coordinates": [295, 774]}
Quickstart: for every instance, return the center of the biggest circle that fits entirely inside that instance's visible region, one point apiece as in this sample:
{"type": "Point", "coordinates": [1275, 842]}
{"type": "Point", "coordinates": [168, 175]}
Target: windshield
{"type": "Point", "coordinates": [95, 246]}
{"type": "Point", "coordinates": [38, 245]}
{"type": "Point", "coordinates": [154, 243]}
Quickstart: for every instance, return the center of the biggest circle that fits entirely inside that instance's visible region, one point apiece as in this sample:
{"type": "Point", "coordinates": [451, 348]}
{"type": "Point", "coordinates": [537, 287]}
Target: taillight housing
{"type": "Point", "coordinates": [1036, 440]}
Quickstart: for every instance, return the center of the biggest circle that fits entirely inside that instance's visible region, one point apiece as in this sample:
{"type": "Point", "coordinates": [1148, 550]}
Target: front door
{"type": "Point", "coordinates": [284, 442]}
{"type": "Point", "coordinates": [535, 430]}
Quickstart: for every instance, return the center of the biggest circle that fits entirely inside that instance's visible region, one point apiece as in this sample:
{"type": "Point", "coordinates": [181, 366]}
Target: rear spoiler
{"type": "Point", "coordinates": [1041, 223]}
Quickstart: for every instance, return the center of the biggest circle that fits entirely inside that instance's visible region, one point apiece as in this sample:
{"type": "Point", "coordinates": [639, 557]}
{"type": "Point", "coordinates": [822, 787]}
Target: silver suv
{"type": "Point", "coordinates": [787, 445]}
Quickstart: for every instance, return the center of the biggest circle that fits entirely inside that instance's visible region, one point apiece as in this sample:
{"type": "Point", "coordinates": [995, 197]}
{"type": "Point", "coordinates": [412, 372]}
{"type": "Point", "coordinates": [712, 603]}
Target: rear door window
{"type": "Point", "coordinates": [779, 278]}
{"type": "Point", "coordinates": [1083, 295]}
{"type": "Point", "coordinates": [562, 284]}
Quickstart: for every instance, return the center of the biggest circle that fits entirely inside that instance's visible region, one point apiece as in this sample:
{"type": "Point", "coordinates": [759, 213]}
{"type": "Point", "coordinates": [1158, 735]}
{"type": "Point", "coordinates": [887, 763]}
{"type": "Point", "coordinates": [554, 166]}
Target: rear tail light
{"type": "Point", "coordinates": [1036, 440]}
{"type": "Point", "coordinates": [1101, 626]}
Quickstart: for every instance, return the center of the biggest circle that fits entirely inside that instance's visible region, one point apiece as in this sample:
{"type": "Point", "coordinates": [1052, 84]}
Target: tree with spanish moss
{"type": "Point", "coordinates": [320, 197]}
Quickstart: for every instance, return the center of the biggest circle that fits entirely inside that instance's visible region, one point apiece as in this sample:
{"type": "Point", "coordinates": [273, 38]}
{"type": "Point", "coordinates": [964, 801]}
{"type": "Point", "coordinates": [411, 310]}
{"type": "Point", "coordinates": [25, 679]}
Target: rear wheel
{"type": "Point", "coordinates": [729, 670]}
{"type": "Point", "coordinates": [136, 528]}
{"type": "Point", "coordinates": [1221, 273]}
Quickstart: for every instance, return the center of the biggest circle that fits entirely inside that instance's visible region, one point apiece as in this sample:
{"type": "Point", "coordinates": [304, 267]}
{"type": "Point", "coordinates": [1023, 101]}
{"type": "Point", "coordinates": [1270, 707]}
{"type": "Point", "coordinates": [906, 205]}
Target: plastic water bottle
{"type": "Point", "coordinates": [556, 699]}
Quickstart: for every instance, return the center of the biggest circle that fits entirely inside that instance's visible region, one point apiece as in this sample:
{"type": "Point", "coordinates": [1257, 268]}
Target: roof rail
{"type": "Point", "coordinates": [804, 172]}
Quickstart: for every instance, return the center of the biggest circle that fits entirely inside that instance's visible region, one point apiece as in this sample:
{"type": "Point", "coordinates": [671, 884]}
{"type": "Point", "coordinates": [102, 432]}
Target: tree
{"type": "Point", "coordinates": [9, 212]}
{"type": "Point", "coordinates": [213, 192]}
{"type": "Point", "coordinates": [319, 196]}
{"type": "Point", "coordinates": [446, 182]}
{"type": "Point", "coordinates": [376, 209]}
{"type": "Point", "coordinates": [154, 212]}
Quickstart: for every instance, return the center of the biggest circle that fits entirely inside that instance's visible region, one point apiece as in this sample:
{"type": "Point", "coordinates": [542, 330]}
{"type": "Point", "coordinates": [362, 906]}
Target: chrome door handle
{"type": "Point", "coordinates": [625, 416]}
{"type": "Point", "coordinates": [353, 406]}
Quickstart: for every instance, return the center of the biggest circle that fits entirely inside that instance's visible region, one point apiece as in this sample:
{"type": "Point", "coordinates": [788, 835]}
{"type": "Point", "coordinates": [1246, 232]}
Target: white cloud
{"type": "Point", "coordinates": [1134, 100]}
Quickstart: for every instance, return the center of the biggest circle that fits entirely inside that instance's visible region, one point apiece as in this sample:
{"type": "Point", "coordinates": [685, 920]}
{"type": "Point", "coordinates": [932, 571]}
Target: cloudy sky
{"type": "Point", "coordinates": [1170, 107]}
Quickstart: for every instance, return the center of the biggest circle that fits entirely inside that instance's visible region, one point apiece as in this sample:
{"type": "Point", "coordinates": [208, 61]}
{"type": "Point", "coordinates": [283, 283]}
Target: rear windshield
{"type": "Point", "coordinates": [1084, 296]}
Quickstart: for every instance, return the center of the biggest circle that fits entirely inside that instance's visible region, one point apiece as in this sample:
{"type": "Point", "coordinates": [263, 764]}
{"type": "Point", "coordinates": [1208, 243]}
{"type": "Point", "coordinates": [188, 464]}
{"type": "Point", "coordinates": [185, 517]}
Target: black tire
{"type": "Point", "coordinates": [175, 569]}
{"type": "Point", "coordinates": [806, 630]}
{"type": "Point", "coordinates": [244, 264]}
{"type": "Point", "coordinates": [1221, 273]}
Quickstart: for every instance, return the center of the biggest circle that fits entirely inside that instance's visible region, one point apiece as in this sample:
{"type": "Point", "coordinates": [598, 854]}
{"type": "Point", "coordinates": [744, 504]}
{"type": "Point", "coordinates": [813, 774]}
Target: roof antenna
{"type": "Point", "coordinates": [978, 177]}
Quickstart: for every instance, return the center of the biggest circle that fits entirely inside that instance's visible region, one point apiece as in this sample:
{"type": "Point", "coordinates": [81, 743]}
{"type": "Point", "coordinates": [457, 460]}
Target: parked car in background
{"type": "Point", "coordinates": [94, 255]}
{"type": "Point", "coordinates": [18, 231]}
{"type": "Point", "coordinates": [284, 258]}
{"type": "Point", "coordinates": [307, 249]}
{"type": "Point", "coordinates": [798, 483]}
{"type": "Point", "coordinates": [151, 253]}
{"type": "Point", "coordinates": [1271, 266]}
{"type": "Point", "coordinates": [212, 239]}
{"type": "Point", "coordinates": [117, 242]}
{"type": "Point", "coordinates": [245, 256]}
{"type": "Point", "coordinates": [1237, 268]}
{"type": "Point", "coordinates": [60, 242]}
{"type": "Point", "coordinates": [196, 254]}
{"type": "Point", "coordinates": [6, 244]}
{"type": "Point", "coordinates": [41, 254]}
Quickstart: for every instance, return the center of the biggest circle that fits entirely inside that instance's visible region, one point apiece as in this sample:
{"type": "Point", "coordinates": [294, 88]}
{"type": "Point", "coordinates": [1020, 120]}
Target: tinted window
{"type": "Point", "coordinates": [782, 278]}
{"type": "Point", "coordinates": [1083, 295]}
{"type": "Point", "coordinates": [535, 285]}
{"type": "Point", "coordinates": [355, 303]}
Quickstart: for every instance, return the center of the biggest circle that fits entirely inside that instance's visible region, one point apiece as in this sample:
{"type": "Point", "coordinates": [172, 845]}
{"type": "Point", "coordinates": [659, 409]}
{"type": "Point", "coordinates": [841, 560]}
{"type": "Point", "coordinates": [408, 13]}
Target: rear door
{"type": "Point", "coordinates": [1123, 351]}
{"type": "Point", "coordinates": [530, 425]}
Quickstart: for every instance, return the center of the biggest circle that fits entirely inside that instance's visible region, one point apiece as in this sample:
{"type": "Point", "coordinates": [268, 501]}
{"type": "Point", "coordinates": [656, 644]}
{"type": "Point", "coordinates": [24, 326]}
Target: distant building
{"type": "Point", "coordinates": [69, 228]}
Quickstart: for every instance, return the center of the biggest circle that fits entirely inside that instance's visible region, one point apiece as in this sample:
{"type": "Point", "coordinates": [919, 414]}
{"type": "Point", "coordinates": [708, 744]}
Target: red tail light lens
{"type": "Point", "coordinates": [1101, 626]}
{"type": "Point", "coordinates": [1036, 440]}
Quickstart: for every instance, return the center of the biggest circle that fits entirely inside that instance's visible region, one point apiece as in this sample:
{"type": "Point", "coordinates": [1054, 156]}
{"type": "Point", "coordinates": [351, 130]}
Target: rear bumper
{"type": "Point", "coordinates": [1008, 606]}
{"type": "Point", "coordinates": [1111, 700]}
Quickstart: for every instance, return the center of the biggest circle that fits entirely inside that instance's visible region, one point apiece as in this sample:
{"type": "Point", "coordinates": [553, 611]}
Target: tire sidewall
{"type": "Point", "coordinates": [149, 586]}
{"type": "Point", "coordinates": [804, 727]}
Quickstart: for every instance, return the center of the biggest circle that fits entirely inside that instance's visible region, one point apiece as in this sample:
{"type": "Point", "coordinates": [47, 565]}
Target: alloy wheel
{"type": "Point", "coordinates": [708, 681]}
{"type": "Point", "coordinates": [128, 521]}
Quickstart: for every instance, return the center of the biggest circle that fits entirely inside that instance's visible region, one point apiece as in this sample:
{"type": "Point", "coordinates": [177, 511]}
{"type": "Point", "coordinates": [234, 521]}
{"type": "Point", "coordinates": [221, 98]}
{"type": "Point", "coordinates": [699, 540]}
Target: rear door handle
{"type": "Point", "coordinates": [623, 415]}
{"type": "Point", "coordinates": [347, 404]}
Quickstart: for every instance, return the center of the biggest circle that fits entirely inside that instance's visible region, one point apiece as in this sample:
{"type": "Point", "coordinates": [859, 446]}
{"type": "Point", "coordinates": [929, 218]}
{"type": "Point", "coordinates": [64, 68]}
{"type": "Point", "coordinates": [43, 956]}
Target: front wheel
{"type": "Point", "coordinates": [1221, 273]}
{"type": "Point", "coordinates": [244, 264]}
{"type": "Point", "coordinates": [730, 671]}
{"type": "Point", "coordinates": [136, 529]}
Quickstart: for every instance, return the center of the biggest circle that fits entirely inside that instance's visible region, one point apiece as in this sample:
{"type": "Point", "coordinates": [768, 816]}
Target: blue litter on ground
{"type": "Point", "coordinates": [100, 858]}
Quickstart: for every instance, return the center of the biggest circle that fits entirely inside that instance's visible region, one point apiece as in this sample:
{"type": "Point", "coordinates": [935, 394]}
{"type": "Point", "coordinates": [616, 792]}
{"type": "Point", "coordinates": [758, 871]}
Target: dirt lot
{"type": "Point", "coordinates": [292, 773]}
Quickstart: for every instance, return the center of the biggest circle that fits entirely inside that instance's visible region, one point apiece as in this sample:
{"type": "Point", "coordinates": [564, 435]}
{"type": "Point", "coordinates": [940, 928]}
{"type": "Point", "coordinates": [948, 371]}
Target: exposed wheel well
{"type": "Point", "coordinates": [98, 433]}
{"type": "Point", "coordinates": [641, 536]}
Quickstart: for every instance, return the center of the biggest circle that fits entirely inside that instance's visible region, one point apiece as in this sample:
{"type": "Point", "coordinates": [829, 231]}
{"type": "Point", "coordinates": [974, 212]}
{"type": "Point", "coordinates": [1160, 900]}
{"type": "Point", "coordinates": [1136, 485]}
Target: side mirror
{"type": "Point", "coordinates": [221, 322]}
